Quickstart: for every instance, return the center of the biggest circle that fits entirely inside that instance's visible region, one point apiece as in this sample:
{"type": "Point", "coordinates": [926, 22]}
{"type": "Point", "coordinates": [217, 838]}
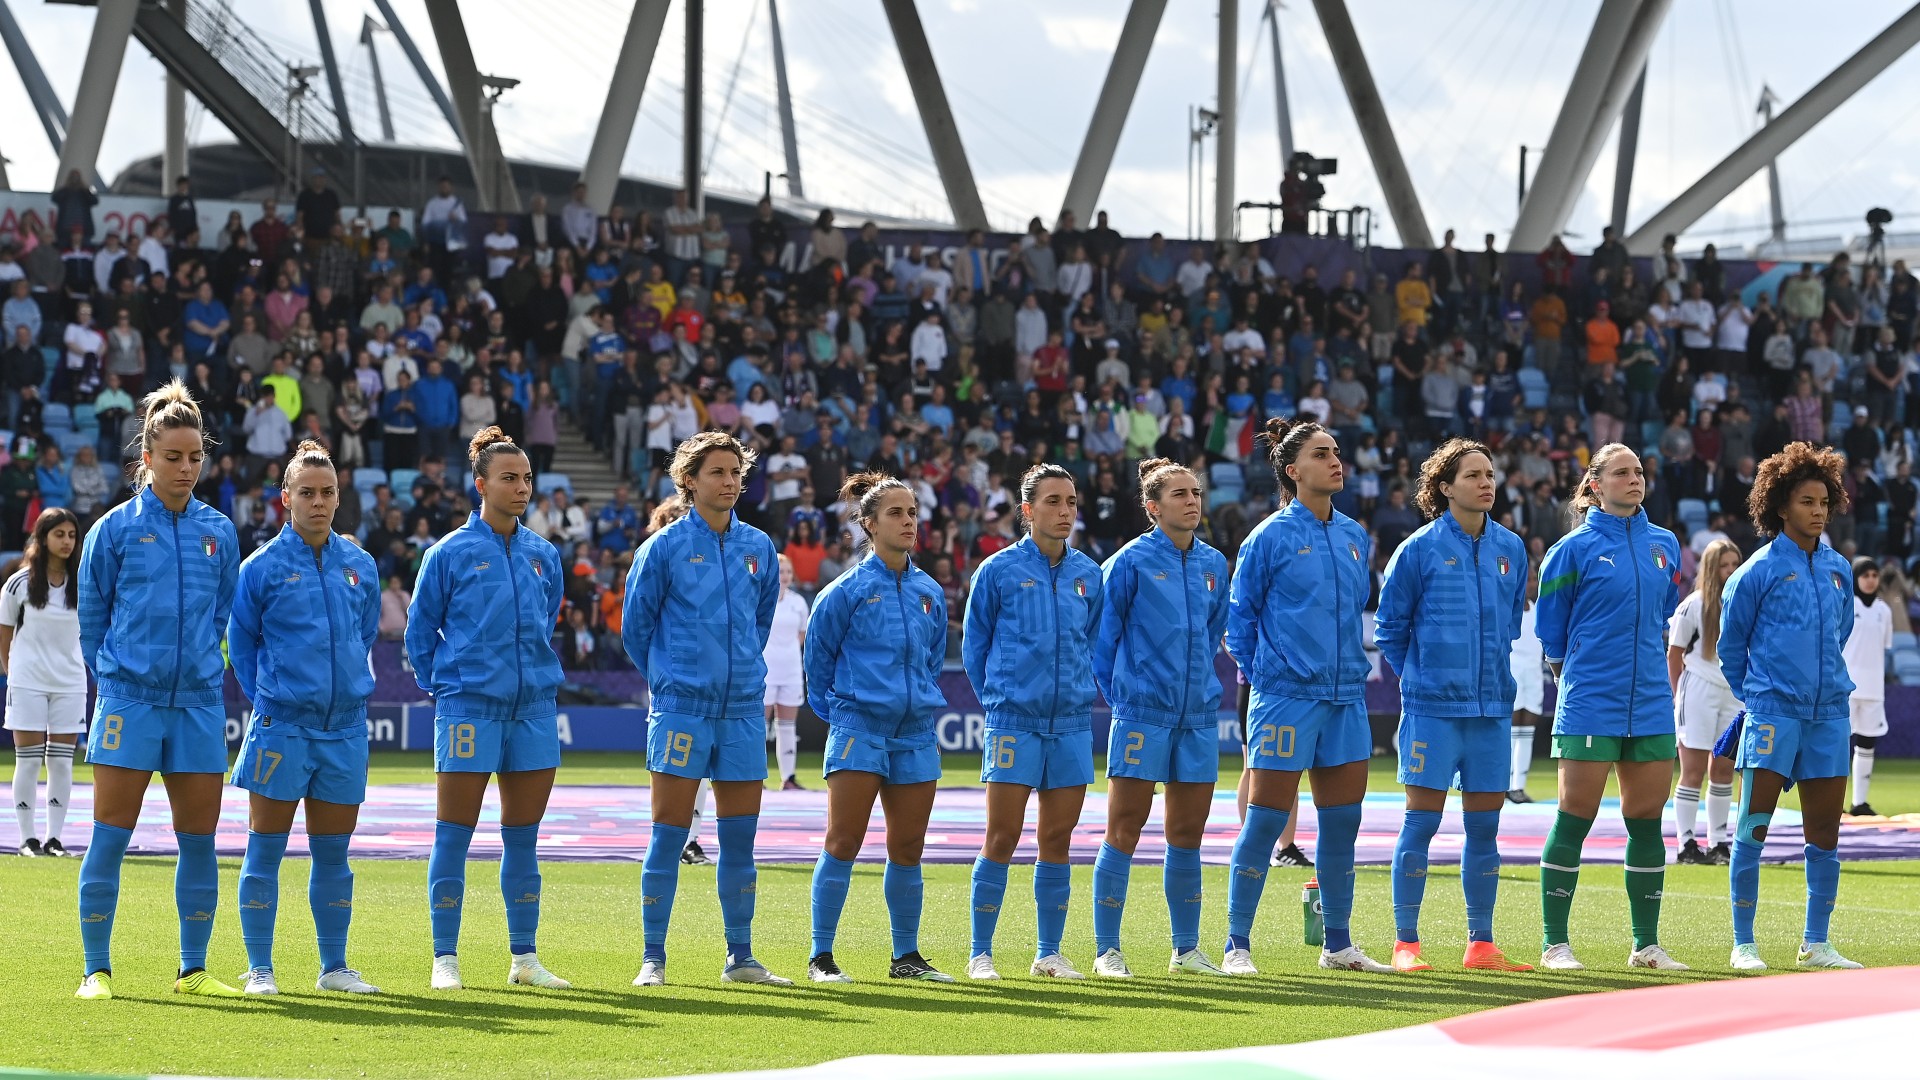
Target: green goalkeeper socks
{"type": "Point", "coordinates": [1560, 875]}
{"type": "Point", "coordinates": [1646, 878]}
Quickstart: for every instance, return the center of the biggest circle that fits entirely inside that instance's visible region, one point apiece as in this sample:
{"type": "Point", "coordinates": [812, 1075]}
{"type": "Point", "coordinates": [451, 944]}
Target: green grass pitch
{"type": "Point", "coordinates": [608, 1028]}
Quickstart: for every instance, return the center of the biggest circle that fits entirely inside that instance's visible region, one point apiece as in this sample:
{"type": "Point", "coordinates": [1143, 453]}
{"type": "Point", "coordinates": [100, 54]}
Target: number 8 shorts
{"type": "Point", "coordinates": [129, 734]}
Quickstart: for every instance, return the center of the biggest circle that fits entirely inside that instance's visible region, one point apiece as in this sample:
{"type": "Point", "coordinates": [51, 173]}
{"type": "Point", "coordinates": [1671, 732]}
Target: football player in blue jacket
{"type": "Point", "coordinates": [1606, 591]}
{"type": "Point", "coordinates": [300, 638]}
{"type": "Point", "coordinates": [876, 642]}
{"type": "Point", "coordinates": [1030, 621]}
{"type": "Point", "coordinates": [1160, 629]}
{"type": "Point", "coordinates": [1298, 601]}
{"type": "Point", "coordinates": [1449, 610]}
{"type": "Point", "coordinates": [480, 637]}
{"type": "Point", "coordinates": [157, 577]}
{"type": "Point", "coordinates": [699, 606]}
{"type": "Point", "coordinates": [1784, 625]}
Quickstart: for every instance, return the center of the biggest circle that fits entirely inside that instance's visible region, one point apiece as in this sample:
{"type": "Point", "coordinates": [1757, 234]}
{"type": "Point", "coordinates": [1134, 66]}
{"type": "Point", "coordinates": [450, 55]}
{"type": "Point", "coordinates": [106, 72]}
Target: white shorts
{"type": "Point", "coordinates": [1869, 717]}
{"type": "Point", "coordinates": [1704, 709]}
{"type": "Point", "coordinates": [55, 714]}
{"type": "Point", "coordinates": [1531, 695]}
{"type": "Point", "coordinates": [786, 695]}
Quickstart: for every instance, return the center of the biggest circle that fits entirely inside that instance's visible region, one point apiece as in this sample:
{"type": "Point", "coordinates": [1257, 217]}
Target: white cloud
{"type": "Point", "coordinates": [1081, 33]}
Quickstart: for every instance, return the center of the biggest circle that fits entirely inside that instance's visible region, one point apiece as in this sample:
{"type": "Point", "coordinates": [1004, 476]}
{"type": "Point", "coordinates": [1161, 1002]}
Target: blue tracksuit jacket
{"type": "Point", "coordinates": [699, 609]}
{"type": "Point", "coordinates": [302, 630]}
{"type": "Point", "coordinates": [1160, 626]}
{"type": "Point", "coordinates": [1029, 629]}
{"type": "Point", "coordinates": [1449, 611]}
{"type": "Point", "coordinates": [480, 629]}
{"type": "Point", "coordinates": [1606, 591]}
{"type": "Point", "coordinates": [1299, 596]}
{"type": "Point", "coordinates": [876, 642]}
{"type": "Point", "coordinates": [155, 591]}
{"type": "Point", "coordinates": [1784, 619]}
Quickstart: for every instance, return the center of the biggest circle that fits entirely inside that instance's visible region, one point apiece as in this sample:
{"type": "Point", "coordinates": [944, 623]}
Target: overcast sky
{"type": "Point", "coordinates": [1466, 82]}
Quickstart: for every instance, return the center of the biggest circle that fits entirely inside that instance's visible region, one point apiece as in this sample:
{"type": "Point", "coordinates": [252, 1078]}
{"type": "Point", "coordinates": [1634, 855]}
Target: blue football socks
{"type": "Point", "coordinates": [1111, 869]}
{"type": "Point", "coordinates": [1749, 840]}
{"type": "Point", "coordinates": [100, 892]}
{"type": "Point", "coordinates": [830, 879]}
{"type": "Point", "coordinates": [1823, 888]}
{"type": "Point", "coordinates": [1339, 830]}
{"type": "Point", "coordinates": [447, 884]}
{"type": "Point", "coordinates": [260, 895]}
{"type": "Point", "coordinates": [988, 894]}
{"type": "Point", "coordinates": [196, 894]}
{"type": "Point", "coordinates": [1480, 871]}
{"type": "Point", "coordinates": [905, 892]}
{"type": "Point", "coordinates": [1251, 854]}
{"type": "Point", "coordinates": [520, 884]}
{"type": "Point", "coordinates": [1410, 871]}
{"type": "Point", "coordinates": [738, 880]}
{"type": "Point", "coordinates": [1052, 889]}
{"type": "Point", "coordinates": [1180, 877]}
{"type": "Point", "coordinates": [330, 895]}
{"type": "Point", "coordinates": [659, 881]}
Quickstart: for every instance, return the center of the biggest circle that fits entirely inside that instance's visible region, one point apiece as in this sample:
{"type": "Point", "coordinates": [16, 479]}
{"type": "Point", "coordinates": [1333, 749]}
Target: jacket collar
{"type": "Point", "coordinates": [1031, 550]}
{"type": "Point", "coordinates": [1297, 511]}
{"type": "Point", "coordinates": [1784, 547]}
{"type": "Point", "coordinates": [152, 503]}
{"type": "Point", "coordinates": [700, 523]}
{"type": "Point", "coordinates": [1600, 521]}
{"type": "Point", "coordinates": [479, 525]}
{"type": "Point", "coordinates": [873, 564]}
{"type": "Point", "coordinates": [1454, 528]}
{"type": "Point", "coordinates": [290, 536]}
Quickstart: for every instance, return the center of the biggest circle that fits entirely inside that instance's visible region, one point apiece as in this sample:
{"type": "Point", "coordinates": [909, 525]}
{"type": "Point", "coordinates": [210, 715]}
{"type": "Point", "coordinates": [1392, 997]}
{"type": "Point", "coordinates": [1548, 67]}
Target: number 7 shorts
{"type": "Point", "coordinates": [131, 734]}
{"type": "Point", "coordinates": [701, 747]}
{"type": "Point", "coordinates": [289, 762]}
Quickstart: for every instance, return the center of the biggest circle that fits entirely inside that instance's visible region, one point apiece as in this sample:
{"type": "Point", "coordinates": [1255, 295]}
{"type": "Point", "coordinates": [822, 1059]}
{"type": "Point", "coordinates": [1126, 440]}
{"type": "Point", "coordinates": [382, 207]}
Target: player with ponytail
{"type": "Point", "coordinates": [876, 642]}
{"type": "Point", "coordinates": [1606, 591]}
{"type": "Point", "coordinates": [303, 625]}
{"type": "Point", "coordinates": [1165, 610]}
{"type": "Point", "coordinates": [698, 611]}
{"type": "Point", "coordinates": [1030, 622]}
{"type": "Point", "coordinates": [1298, 602]}
{"type": "Point", "coordinates": [1705, 708]}
{"type": "Point", "coordinates": [480, 637]}
{"type": "Point", "coordinates": [157, 578]}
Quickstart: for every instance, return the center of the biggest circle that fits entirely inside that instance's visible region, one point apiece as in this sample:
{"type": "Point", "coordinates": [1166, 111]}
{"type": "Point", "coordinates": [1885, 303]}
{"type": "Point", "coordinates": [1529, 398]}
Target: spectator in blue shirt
{"type": "Point", "coordinates": [937, 413]}
{"type": "Point", "coordinates": [424, 288]}
{"type": "Point", "coordinates": [20, 310]}
{"type": "Point", "coordinates": [56, 489]}
{"type": "Point", "coordinates": [438, 401]}
{"type": "Point", "coordinates": [207, 323]}
{"type": "Point", "coordinates": [1153, 275]}
{"type": "Point", "coordinates": [1179, 384]}
{"type": "Point", "coordinates": [618, 523]}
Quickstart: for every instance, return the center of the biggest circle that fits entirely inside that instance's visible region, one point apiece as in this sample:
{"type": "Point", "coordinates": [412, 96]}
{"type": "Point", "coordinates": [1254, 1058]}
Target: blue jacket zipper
{"type": "Point", "coordinates": [1633, 688]}
{"type": "Point", "coordinates": [1333, 571]}
{"type": "Point", "coordinates": [1186, 591]}
{"type": "Point", "coordinates": [1053, 579]}
{"type": "Point", "coordinates": [180, 638]}
{"type": "Point", "coordinates": [519, 675]}
{"type": "Point", "coordinates": [333, 641]}
{"type": "Point", "coordinates": [726, 586]}
{"type": "Point", "coordinates": [1820, 679]}
{"type": "Point", "coordinates": [906, 637]}
{"type": "Point", "coordinates": [1480, 623]}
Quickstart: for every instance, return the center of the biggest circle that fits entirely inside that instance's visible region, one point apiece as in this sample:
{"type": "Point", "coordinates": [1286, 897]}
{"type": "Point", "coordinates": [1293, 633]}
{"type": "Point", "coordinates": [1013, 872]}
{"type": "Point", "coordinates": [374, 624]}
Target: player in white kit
{"type": "Point", "coordinates": [784, 682]}
{"type": "Point", "coordinates": [46, 677]}
{"type": "Point", "coordinates": [1866, 655]}
{"type": "Point", "coordinates": [1703, 707]}
{"type": "Point", "coordinates": [1529, 661]}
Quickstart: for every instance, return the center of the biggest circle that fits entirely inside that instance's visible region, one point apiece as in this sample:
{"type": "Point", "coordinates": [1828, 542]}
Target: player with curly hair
{"type": "Point", "coordinates": [1784, 625]}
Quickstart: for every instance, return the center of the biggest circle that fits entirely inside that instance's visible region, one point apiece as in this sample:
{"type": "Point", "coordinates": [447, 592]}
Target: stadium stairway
{"type": "Point", "coordinates": [590, 473]}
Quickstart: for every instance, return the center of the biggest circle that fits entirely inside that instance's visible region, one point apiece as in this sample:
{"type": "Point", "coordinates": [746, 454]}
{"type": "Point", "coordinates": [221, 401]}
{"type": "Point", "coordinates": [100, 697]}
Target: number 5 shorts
{"type": "Point", "coordinates": [131, 734]}
{"type": "Point", "coordinates": [289, 762]}
{"type": "Point", "coordinates": [1291, 734]}
{"type": "Point", "coordinates": [466, 744]}
{"type": "Point", "coordinates": [1472, 753]}
{"type": "Point", "coordinates": [701, 747]}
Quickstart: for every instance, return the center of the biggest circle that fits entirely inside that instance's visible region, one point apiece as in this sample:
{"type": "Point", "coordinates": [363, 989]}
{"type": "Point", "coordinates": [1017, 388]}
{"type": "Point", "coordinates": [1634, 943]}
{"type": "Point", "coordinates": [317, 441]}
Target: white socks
{"type": "Point", "coordinates": [699, 808]}
{"type": "Point", "coordinates": [1862, 773]}
{"type": "Point", "coordinates": [1522, 756]}
{"type": "Point", "coordinates": [1686, 812]}
{"type": "Point", "coordinates": [59, 786]}
{"type": "Point", "coordinates": [26, 785]}
{"type": "Point", "coordinates": [786, 746]}
{"type": "Point", "coordinates": [1719, 810]}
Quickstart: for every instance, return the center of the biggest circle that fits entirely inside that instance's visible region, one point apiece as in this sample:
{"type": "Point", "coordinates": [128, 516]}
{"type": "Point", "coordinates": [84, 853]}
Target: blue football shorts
{"type": "Point", "coordinates": [911, 760]}
{"type": "Point", "coordinates": [1292, 734]}
{"type": "Point", "coordinates": [289, 762]}
{"type": "Point", "coordinates": [1163, 755]}
{"type": "Point", "coordinates": [154, 738]}
{"type": "Point", "coordinates": [1034, 760]}
{"type": "Point", "coordinates": [1797, 749]}
{"type": "Point", "coordinates": [466, 744]}
{"type": "Point", "coordinates": [703, 748]}
{"type": "Point", "coordinates": [1471, 753]}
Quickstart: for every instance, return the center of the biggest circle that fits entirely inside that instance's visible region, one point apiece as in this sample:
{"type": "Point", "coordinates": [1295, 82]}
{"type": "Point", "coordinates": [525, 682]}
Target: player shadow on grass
{"type": "Point", "coordinates": [501, 1010]}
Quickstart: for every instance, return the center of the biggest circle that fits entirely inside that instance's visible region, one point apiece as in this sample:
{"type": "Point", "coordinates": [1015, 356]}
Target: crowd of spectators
{"type": "Point", "coordinates": [955, 369]}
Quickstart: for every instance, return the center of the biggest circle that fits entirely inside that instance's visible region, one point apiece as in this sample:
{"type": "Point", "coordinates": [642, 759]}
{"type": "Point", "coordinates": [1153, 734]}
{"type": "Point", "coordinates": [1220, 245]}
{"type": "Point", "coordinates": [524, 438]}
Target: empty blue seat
{"type": "Point", "coordinates": [366, 478]}
{"type": "Point", "coordinates": [1533, 384]}
{"type": "Point", "coordinates": [56, 417]}
{"type": "Point", "coordinates": [401, 481]}
{"type": "Point", "coordinates": [553, 481]}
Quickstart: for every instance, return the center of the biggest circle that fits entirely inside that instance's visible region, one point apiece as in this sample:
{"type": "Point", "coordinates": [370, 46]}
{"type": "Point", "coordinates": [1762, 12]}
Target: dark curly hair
{"type": "Point", "coordinates": [1284, 439]}
{"type": "Point", "coordinates": [1443, 467]}
{"type": "Point", "coordinates": [1780, 474]}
